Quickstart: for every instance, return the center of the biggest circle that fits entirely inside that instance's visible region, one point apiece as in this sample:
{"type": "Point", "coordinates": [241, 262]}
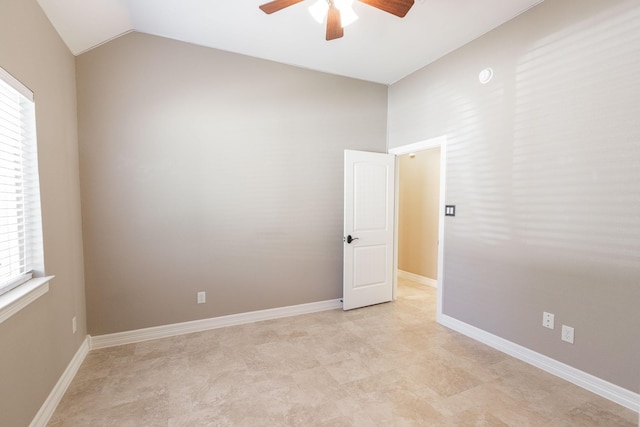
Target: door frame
{"type": "Point", "coordinates": [438, 142]}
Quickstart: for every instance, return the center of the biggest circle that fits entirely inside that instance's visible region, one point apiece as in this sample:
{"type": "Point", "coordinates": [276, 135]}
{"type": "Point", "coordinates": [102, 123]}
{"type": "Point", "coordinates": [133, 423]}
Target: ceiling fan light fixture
{"type": "Point", "coordinates": [320, 8]}
{"type": "Point", "coordinates": [346, 11]}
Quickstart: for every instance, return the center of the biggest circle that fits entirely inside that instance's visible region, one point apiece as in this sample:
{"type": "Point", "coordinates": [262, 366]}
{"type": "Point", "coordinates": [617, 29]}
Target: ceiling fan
{"type": "Point", "coordinates": [335, 9]}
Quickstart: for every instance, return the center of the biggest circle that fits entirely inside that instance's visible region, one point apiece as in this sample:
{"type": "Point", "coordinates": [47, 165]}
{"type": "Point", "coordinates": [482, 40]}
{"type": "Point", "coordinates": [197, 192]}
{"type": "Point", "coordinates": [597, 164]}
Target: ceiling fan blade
{"type": "Point", "coordinates": [276, 5]}
{"type": "Point", "coordinates": [334, 23]}
{"type": "Point", "coordinates": [394, 7]}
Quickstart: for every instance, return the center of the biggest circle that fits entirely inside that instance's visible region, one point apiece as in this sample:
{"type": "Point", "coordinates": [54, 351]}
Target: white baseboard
{"type": "Point", "coordinates": [603, 388]}
{"type": "Point", "coordinates": [138, 335]}
{"type": "Point", "coordinates": [49, 406]}
{"type": "Point", "coordinates": [417, 278]}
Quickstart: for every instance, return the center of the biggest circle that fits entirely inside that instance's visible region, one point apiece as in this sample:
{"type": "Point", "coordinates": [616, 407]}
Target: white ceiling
{"type": "Point", "coordinates": [378, 47]}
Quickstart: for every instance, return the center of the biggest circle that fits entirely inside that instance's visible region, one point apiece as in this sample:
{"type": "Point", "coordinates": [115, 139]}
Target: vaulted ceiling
{"type": "Point", "coordinates": [378, 47]}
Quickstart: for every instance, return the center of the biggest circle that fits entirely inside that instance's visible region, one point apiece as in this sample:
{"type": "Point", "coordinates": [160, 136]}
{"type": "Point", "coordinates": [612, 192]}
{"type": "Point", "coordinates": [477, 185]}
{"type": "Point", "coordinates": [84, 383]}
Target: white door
{"type": "Point", "coordinates": [368, 228]}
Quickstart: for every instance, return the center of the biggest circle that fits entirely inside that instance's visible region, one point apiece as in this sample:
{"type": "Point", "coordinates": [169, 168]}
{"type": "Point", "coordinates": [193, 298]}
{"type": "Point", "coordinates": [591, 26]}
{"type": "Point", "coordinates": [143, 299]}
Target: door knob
{"type": "Point", "coordinates": [351, 239]}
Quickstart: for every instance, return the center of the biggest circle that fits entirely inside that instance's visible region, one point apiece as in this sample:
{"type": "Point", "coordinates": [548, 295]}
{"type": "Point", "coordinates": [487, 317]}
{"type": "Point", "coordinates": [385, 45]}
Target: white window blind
{"type": "Point", "coordinates": [20, 220]}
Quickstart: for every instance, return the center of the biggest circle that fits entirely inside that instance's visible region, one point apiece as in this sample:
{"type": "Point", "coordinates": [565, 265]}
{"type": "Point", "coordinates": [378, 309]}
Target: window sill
{"type": "Point", "coordinates": [20, 297]}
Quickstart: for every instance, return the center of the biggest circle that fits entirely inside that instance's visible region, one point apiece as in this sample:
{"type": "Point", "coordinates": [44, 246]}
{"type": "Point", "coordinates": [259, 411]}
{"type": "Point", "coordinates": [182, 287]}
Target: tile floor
{"type": "Point", "coordinates": [387, 365]}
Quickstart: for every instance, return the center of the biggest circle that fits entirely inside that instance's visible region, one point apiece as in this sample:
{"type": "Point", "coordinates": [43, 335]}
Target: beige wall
{"type": "Point", "coordinates": [204, 170]}
{"type": "Point", "coordinates": [37, 343]}
{"type": "Point", "coordinates": [419, 198]}
{"type": "Point", "coordinates": [543, 165]}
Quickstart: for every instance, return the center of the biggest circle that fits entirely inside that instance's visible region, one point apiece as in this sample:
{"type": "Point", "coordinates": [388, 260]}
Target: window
{"type": "Point", "coordinates": [20, 220]}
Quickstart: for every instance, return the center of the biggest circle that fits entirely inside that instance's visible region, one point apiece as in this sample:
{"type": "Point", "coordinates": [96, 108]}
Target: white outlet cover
{"type": "Point", "coordinates": [548, 320]}
{"type": "Point", "coordinates": [567, 334]}
{"type": "Point", "coordinates": [202, 297]}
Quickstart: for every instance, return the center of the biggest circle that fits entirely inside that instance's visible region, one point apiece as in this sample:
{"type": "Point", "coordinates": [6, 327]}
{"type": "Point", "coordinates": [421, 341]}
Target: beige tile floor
{"type": "Point", "coordinates": [387, 365]}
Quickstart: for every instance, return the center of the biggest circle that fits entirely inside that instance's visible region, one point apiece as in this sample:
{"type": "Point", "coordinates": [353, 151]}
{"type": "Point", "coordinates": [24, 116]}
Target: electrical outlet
{"type": "Point", "coordinates": [202, 297]}
{"type": "Point", "coordinates": [567, 334]}
{"type": "Point", "coordinates": [74, 325]}
{"type": "Point", "coordinates": [547, 320]}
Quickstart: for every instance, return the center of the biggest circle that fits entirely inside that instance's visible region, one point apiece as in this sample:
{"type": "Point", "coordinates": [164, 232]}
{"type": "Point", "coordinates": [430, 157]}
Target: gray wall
{"type": "Point", "coordinates": [37, 343]}
{"type": "Point", "coordinates": [203, 170]}
{"type": "Point", "coordinates": [543, 164]}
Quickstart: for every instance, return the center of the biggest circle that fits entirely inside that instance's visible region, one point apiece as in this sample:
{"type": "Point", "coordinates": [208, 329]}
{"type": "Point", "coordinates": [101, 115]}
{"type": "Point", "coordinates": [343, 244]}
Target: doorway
{"type": "Point", "coordinates": [419, 205]}
{"type": "Point", "coordinates": [440, 143]}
